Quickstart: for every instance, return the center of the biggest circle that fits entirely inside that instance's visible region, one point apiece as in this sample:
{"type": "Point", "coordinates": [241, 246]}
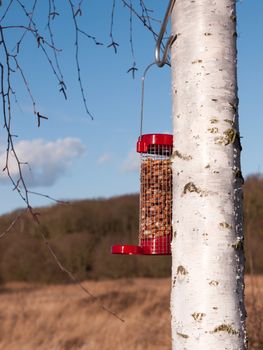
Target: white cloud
{"type": "Point", "coordinates": [103, 158]}
{"type": "Point", "coordinates": [132, 162]}
{"type": "Point", "coordinates": [47, 161]}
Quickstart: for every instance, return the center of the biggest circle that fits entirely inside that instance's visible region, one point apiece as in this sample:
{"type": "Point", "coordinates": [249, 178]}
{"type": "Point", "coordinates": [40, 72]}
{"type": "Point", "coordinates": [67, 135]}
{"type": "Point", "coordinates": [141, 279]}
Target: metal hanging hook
{"type": "Point", "coordinates": [143, 90]}
{"type": "Point", "coordinates": [142, 95]}
{"type": "Point", "coordinates": [162, 61]}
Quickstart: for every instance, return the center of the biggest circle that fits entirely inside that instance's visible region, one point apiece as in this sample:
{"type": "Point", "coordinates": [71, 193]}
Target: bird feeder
{"type": "Point", "coordinates": [155, 221]}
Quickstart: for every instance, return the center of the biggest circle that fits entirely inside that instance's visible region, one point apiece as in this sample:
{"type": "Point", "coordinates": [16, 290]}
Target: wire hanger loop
{"type": "Point", "coordinates": [142, 92]}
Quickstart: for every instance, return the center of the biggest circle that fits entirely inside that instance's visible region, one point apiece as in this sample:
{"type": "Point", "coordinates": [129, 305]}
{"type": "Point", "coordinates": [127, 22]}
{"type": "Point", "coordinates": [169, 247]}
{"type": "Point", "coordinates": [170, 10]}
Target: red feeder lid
{"type": "Point", "coordinates": [147, 140]}
{"type": "Point", "coordinates": [126, 249]}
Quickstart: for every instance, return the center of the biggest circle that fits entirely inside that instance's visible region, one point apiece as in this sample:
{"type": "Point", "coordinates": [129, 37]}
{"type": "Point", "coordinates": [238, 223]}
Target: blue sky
{"type": "Point", "coordinates": [73, 157]}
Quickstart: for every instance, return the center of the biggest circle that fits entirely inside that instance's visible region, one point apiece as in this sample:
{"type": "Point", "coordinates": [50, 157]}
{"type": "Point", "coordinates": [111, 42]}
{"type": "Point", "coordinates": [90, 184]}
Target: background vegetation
{"type": "Point", "coordinates": [82, 232]}
{"type": "Point", "coordinates": [62, 317]}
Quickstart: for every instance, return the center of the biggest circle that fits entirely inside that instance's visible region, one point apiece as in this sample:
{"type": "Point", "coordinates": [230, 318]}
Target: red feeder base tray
{"type": "Point", "coordinates": [149, 246]}
{"type": "Point", "coordinates": [157, 246]}
{"type": "Point", "coordinates": [126, 249]}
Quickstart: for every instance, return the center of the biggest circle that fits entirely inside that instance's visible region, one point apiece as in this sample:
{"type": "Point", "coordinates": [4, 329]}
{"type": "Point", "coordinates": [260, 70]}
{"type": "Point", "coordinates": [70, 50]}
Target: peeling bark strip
{"type": "Point", "coordinates": [207, 252]}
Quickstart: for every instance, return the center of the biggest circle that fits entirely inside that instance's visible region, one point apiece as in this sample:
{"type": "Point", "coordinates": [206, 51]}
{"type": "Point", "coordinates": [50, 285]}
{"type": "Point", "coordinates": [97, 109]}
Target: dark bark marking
{"type": "Point", "coordinates": [181, 156]}
{"type": "Point", "coordinates": [181, 270]}
{"type": "Point", "coordinates": [229, 121]}
{"type": "Point", "coordinates": [225, 328]}
{"type": "Point", "coordinates": [191, 187]}
{"type": "Point", "coordinates": [213, 130]}
{"type": "Point", "coordinates": [214, 283]}
{"type": "Point", "coordinates": [174, 281]}
{"type": "Point", "coordinates": [197, 61]}
{"type": "Point", "coordinates": [198, 316]}
{"type": "Point", "coordinates": [238, 175]}
{"type": "Point", "coordinates": [229, 137]}
{"type": "Point", "coordinates": [182, 335]}
{"type": "Point", "coordinates": [225, 225]}
{"type": "Point", "coordinates": [238, 245]}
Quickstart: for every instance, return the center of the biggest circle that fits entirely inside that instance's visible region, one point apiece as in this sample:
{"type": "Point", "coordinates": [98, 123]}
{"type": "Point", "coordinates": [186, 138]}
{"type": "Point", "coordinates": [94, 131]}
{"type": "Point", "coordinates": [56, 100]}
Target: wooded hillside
{"type": "Point", "coordinates": [82, 232]}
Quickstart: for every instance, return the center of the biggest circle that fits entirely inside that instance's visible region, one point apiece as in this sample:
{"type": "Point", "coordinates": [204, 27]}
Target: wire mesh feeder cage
{"type": "Point", "coordinates": [155, 228]}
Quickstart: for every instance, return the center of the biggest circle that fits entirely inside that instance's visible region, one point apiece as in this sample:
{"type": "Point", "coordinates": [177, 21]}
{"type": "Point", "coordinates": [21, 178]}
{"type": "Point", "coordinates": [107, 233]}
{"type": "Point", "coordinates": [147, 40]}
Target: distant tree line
{"type": "Point", "coordinates": [82, 232]}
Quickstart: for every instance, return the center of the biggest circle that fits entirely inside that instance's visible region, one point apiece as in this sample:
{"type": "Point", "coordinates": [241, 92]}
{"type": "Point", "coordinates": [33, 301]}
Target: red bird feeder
{"type": "Point", "coordinates": [155, 231]}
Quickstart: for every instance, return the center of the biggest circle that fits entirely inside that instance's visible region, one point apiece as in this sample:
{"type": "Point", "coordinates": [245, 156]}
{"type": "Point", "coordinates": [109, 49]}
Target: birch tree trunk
{"type": "Point", "coordinates": [207, 299]}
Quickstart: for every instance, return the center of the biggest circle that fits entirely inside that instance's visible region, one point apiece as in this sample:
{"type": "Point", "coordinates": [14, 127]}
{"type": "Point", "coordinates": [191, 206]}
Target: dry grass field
{"type": "Point", "coordinates": [36, 317]}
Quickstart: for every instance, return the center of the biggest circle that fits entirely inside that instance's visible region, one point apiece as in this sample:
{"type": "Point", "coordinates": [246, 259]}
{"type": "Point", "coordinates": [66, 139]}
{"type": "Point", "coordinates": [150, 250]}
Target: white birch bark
{"type": "Point", "coordinates": [207, 302]}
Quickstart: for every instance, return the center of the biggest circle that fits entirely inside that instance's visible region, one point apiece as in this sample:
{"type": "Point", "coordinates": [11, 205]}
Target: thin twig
{"type": "Point", "coordinates": [49, 197]}
{"type": "Point", "coordinates": [11, 226]}
{"type": "Point", "coordinates": [146, 23]}
{"type": "Point", "coordinates": [26, 83]}
{"type": "Point", "coordinates": [7, 10]}
{"type": "Point", "coordinates": [40, 42]}
{"type": "Point", "coordinates": [69, 273]}
{"type": "Point", "coordinates": [52, 9]}
{"type": "Point", "coordinates": [113, 43]}
{"type": "Point", "coordinates": [133, 69]}
{"type": "Point", "coordinates": [77, 58]}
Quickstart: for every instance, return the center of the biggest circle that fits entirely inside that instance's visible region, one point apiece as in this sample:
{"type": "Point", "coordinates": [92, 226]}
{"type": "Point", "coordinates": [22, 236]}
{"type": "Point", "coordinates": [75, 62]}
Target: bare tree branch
{"type": "Point", "coordinates": [10, 66]}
